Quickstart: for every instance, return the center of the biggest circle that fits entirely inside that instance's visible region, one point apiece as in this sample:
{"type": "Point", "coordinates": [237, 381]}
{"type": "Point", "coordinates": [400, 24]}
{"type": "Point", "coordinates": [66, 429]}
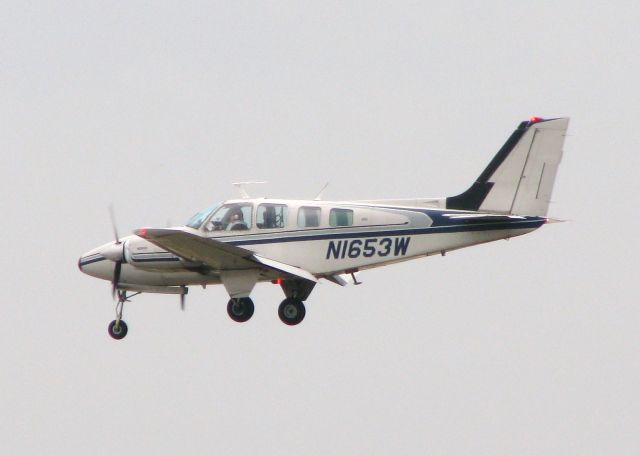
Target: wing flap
{"type": "Point", "coordinates": [286, 268]}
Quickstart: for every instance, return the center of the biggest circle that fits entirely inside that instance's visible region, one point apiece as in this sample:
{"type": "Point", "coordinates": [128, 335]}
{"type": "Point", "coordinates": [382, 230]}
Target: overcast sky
{"type": "Point", "coordinates": [524, 347]}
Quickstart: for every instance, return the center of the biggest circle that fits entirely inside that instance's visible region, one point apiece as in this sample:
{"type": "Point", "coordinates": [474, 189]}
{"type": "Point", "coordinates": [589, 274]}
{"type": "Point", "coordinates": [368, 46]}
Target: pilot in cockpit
{"type": "Point", "coordinates": [236, 222]}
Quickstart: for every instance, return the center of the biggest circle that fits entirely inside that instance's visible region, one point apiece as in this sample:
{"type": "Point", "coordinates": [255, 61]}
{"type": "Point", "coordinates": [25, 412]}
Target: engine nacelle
{"type": "Point", "coordinates": [144, 255]}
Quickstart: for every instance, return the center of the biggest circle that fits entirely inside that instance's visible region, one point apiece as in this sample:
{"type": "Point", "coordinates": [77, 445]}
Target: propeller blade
{"type": "Point", "coordinates": [182, 301]}
{"type": "Point", "coordinates": [112, 216]}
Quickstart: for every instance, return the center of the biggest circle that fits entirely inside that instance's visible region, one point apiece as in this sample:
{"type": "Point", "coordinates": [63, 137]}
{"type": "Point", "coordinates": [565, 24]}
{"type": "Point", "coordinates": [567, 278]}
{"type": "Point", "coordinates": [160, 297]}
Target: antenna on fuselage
{"type": "Point", "coordinates": [242, 190]}
{"type": "Point", "coordinates": [319, 196]}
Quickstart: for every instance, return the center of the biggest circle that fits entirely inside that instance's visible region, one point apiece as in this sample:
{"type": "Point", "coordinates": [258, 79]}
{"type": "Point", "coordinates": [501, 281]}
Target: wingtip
{"type": "Point", "coordinates": [142, 232]}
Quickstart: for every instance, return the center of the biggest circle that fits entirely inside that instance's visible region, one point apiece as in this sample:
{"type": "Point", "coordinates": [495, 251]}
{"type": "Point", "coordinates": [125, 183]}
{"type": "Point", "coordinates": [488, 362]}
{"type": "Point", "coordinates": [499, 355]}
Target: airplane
{"type": "Point", "coordinates": [296, 243]}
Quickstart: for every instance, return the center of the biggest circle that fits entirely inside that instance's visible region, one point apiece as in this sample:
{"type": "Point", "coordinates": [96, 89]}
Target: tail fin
{"type": "Point", "coordinates": [519, 180]}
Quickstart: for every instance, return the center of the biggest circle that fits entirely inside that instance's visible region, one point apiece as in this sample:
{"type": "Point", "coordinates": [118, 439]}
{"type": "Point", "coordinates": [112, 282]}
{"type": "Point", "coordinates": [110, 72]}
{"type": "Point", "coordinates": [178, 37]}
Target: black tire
{"type": "Point", "coordinates": [291, 311]}
{"type": "Point", "coordinates": [240, 309]}
{"type": "Point", "coordinates": [118, 332]}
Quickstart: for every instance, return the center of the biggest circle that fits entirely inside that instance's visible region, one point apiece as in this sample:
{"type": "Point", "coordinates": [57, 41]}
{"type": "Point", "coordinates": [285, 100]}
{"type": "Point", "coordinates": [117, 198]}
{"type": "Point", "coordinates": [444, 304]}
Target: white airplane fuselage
{"type": "Point", "coordinates": [379, 235]}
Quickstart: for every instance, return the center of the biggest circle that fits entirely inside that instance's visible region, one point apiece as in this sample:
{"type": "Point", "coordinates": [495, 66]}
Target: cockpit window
{"type": "Point", "coordinates": [197, 220]}
{"type": "Point", "coordinates": [231, 217]}
{"type": "Point", "coordinates": [271, 216]}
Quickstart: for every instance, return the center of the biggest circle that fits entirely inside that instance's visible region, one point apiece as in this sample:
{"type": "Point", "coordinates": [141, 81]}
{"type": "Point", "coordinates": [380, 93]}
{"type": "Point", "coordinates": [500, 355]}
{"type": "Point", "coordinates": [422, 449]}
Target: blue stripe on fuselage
{"type": "Point", "coordinates": [446, 226]}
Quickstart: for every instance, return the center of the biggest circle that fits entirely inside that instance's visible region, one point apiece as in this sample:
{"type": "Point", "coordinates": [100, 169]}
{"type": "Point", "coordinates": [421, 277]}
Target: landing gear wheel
{"type": "Point", "coordinates": [240, 309]}
{"type": "Point", "coordinates": [118, 330]}
{"type": "Point", "coordinates": [291, 311]}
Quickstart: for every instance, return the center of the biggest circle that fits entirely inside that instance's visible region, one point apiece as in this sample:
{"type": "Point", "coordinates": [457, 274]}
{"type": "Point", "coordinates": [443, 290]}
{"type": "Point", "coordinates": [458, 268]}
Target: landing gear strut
{"type": "Point", "coordinates": [240, 309]}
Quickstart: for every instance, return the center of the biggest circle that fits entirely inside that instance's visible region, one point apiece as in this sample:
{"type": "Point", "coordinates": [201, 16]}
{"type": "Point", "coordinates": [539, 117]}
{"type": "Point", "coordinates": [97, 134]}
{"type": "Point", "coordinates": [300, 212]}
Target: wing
{"type": "Point", "coordinates": [218, 255]}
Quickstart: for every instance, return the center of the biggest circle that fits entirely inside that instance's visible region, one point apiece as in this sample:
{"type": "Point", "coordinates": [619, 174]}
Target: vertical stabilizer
{"type": "Point", "coordinates": [519, 180]}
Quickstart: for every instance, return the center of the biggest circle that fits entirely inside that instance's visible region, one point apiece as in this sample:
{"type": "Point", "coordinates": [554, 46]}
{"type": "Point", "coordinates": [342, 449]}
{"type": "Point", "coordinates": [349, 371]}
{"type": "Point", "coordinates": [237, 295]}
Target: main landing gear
{"type": "Point", "coordinates": [240, 309]}
{"type": "Point", "coordinates": [291, 311]}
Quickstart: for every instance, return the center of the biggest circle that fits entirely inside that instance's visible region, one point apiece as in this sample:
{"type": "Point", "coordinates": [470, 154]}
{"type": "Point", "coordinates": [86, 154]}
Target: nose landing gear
{"type": "Point", "coordinates": [118, 328]}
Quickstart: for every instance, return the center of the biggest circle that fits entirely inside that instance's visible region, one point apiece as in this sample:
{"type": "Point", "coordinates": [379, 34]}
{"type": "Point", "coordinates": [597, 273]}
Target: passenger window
{"type": "Point", "coordinates": [308, 217]}
{"type": "Point", "coordinates": [271, 216]}
{"type": "Point", "coordinates": [341, 217]}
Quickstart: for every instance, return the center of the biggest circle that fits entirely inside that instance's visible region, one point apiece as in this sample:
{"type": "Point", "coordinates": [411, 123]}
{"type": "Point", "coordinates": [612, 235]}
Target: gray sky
{"type": "Point", "coordinates": [523, 347]}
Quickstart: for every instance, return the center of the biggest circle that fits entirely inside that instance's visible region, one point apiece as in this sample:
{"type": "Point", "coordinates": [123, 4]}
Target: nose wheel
{"type": "Point", "coordinates": [118, 329]}
{"type": "Point", "coordinates": [291, 311]}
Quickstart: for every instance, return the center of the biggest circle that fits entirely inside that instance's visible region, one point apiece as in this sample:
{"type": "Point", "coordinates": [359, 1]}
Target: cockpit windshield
{"type": "Point", "coordinates": [197, 220]}
{"type": "Point", "coordinates": [231, 217]}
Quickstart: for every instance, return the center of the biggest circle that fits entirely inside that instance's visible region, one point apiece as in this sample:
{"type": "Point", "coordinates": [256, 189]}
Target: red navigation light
{"type": "Point", "coordinates": [535, 119]}
{"type": "Point", "coordinates": [277, 281]}
{"type": "Point", "coordinates": [142, 232]}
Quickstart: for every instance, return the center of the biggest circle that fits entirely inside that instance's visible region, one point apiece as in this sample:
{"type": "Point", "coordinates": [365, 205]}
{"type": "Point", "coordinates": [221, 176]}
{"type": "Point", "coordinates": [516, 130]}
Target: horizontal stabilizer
{"type": "Point", "coordinates": [484, 218]}
{"type": "Point", "coordinates": [556, 220]}
{"type": "Point", "coordinates": [344, 279]}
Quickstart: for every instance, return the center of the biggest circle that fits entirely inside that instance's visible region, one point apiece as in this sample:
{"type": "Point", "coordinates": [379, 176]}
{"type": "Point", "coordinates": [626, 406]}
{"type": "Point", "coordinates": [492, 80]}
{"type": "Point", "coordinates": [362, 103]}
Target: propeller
{"type": "Point", "coordinates": [182, 301]}
{"type": "Point", "coordinates": [112, 217]}
{"type": "Point", "coordinates": [115, 254]}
